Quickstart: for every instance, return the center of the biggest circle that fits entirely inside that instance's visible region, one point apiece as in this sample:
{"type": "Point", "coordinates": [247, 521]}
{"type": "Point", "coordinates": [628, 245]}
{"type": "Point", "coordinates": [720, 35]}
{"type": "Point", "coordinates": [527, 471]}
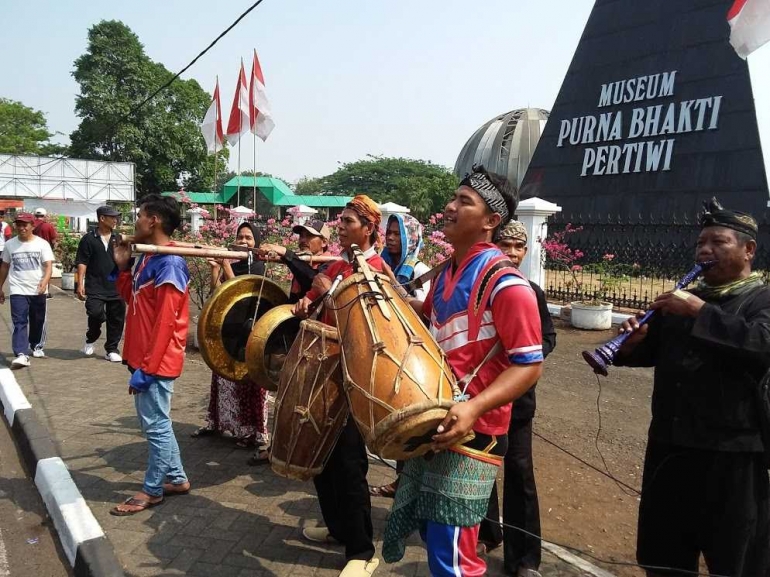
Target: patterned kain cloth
{"type": "Point", "coordinates": [238, 408]}
{"type": "Point", "coordinates": [451, 488]}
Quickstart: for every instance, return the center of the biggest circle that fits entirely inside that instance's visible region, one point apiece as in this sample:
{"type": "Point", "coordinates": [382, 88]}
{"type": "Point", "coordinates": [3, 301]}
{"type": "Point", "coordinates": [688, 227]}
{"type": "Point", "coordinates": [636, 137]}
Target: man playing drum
{"type": "Point", "coordinates": [477, 302]}
{"type": "Point", "coordinates": [705, 485]}
{"type": "Point", "coordinates": [343, 492]}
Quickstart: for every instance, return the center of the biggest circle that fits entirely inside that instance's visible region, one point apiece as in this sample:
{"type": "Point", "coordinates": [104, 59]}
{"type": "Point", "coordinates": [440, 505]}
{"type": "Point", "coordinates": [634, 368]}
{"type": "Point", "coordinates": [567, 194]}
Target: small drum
{"type": "Point", "coordinates": [396, 377]}
{"type": "Point", "coordinates": [310, 406]}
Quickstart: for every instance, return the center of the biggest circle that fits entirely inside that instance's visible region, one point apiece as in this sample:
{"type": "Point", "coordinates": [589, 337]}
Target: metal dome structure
{"type": "Point", "coordinates": [505, 144]}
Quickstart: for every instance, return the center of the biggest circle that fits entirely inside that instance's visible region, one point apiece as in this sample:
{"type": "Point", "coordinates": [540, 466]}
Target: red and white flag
{"type": "Point", "coordinates": [239, 114]}
{"type": "Point", "coordinates": [212, 125]}
{"type": "Point", "coordinates": [749, 25]}
{"type": "Point", "coordinates": [260, 118]}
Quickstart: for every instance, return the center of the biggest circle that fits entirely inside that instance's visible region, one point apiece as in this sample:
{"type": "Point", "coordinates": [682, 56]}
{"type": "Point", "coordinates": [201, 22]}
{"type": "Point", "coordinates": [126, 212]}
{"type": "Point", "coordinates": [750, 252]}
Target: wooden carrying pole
{"type": "Point", "coordinates": [235, 252]}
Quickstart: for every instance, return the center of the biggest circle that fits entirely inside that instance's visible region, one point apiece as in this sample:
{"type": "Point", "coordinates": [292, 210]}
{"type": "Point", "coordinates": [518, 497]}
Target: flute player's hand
{"type": "Point", "coordinates": [631, 325]}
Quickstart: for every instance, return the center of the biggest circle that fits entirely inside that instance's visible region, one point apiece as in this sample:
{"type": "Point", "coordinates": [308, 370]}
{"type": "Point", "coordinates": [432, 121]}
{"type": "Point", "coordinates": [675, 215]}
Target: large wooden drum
{"type": "Point", "coordinates": [395, 375]}
{"type": "Point", "coordinates": [310, 408]}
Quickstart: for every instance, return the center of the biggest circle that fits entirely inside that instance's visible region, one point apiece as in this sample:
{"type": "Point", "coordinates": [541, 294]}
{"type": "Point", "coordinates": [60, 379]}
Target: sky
{"type": "Point", "coordinates": [348, 78]}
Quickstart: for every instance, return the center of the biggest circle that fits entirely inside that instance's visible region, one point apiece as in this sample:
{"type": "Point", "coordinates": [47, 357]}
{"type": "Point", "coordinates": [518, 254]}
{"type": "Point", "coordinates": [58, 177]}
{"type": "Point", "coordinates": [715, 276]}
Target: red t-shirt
{"type": "Point", "coordinates": [344, 268]}
{"type": "Point", "coordinates": [157, 315]}
{"type": "Point", "coordinates": [45, 230]}
{"type": "Point", "coordinates": [511, 317]}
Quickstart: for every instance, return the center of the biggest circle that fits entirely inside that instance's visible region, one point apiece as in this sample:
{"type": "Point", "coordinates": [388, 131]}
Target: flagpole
{"type": "Point", "coordinates": [239, 172]}
{"type": "Point", "coordinates": [254, 190]}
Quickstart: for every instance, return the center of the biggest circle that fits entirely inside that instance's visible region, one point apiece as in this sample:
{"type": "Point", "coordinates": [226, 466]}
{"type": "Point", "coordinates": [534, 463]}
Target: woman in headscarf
{"type": "Point", "coordinates": [403, 244]}
{"type": "Point", "coordinates": [238, 408]}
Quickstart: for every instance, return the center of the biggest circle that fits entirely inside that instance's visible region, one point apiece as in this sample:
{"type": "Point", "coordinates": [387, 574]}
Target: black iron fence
{"type": "Point", "coordinates": [628, 262]}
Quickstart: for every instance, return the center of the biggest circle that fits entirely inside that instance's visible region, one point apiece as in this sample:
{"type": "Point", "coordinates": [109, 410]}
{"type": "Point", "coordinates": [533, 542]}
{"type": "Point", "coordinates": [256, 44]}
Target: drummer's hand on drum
{"type": "Point", "coordinates": [300, 309]}
{"type": "Point", "coordinates": [322, 283]}
{"type": "Point", "coordinates": [457, 424]}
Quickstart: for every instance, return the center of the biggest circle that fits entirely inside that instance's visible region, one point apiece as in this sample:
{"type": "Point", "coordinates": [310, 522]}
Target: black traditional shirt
{"type": "Point", "coordinates": [707, 371]}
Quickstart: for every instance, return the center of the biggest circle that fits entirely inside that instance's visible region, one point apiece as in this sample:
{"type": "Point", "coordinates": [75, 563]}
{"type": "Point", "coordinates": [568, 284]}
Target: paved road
{"type": "Point", "coordinates": [28, 543]}
{"type": "Point", "coordinates": [239, 521]}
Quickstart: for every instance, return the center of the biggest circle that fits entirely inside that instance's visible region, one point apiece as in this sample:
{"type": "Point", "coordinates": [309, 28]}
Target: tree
{"type": "Point", "coordinates": [24, 130]}
{"type": "Point", "coordinates": [162, 138]}
{"type": "Point", "coordinates": [422, 186]}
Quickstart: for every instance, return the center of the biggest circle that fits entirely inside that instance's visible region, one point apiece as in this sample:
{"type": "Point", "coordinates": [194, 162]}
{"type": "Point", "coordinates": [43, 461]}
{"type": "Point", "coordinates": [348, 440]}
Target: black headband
{"type": "Point", "coordinates": [479, 182]}
{"type": "Point", "coordinates": [716, 215]}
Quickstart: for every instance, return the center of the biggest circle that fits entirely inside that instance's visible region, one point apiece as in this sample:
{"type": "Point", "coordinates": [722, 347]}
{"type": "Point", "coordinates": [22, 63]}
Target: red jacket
{"type": "Point", "coordinates": [158, 315]}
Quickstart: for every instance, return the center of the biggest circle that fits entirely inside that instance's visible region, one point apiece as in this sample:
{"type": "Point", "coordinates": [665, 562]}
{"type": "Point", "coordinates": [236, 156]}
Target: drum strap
{"type": "Point", "coordinates": [419, 282]}
{"type": "Point", "coordinates": [463, 383]}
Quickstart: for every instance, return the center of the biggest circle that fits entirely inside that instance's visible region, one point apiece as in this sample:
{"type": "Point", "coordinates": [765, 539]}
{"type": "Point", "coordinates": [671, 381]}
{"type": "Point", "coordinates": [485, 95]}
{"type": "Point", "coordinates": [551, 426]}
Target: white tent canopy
{"type": "Point", "coordinates": [392, 207]}
{"type": "Point", "coordinates": [242, 211]}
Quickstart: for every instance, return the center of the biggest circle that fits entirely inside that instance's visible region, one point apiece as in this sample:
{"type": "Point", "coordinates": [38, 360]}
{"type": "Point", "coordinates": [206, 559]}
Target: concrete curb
{"type": "Point", "coordinates": [89, 552]}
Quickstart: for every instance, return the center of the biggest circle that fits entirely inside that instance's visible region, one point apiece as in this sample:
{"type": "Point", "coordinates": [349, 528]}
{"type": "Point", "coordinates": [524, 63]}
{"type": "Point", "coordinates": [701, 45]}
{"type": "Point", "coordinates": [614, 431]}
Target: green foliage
{"type": "Point", "coordinates": [163, 137]}
{"type": "Point", "coordinates": [23, 130]}
{"type": "Point", "coordinates": [66, 250]}
{"type": "Point", "coordinates": [422, 186]}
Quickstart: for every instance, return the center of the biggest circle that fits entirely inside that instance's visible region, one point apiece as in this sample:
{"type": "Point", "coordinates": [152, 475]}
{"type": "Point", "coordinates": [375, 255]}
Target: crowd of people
{"type": "Point", "coordinates": [705, 484]}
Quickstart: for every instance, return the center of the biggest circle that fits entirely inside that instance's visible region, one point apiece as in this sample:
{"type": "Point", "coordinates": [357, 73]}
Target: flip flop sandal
{"type": "Point", "coordinates": [245, 443]}
{"type": "Point", "coordinates": [388, 491]}
{"type": "Point", "coordinates": [260, 457]}
{"type": "Point", "coordinates": [134, 503]}
{"type": "Point", "coordinates": [203, 432]}
{"type": "Point", "coordinates": [171, 489]}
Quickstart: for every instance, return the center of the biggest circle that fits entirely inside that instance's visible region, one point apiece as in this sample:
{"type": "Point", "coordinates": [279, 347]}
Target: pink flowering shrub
{"type": "Point", "coordinates": [219, 228]}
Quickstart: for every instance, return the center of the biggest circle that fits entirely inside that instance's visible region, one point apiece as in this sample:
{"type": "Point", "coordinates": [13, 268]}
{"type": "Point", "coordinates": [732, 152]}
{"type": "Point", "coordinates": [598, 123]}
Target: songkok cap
{"type": "Point", "coordinates": [106, 211]}
{"type": "Point", "coordinates": [24, 217]}
{"type": "Point", "coordinates": [716, 215]}
{"type": "Point", "coordinates": [514, 230]}
{"type": "Point", "coordinates": [314, 227]}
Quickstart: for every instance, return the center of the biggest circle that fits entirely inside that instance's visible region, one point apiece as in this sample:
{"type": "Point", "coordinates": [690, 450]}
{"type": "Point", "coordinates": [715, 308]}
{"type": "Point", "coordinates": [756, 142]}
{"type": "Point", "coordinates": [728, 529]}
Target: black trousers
{"type": "Point", "coordinates": [704, 502]}
{"type": "Point", "coordinates": [343, 494]}
{"type": "Point", "coordinates": [111, 311]}
{"type": "Point", "coordinates": [520, 504]}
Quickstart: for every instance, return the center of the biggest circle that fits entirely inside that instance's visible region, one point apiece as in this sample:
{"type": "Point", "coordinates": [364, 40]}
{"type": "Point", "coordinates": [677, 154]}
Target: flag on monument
{"type": "Point", "coordinates": [239, 114]}
{"type": "Point", "coordinates": [749, 25]}
{"type": "Point", "coordinates": [212, 125]}
{"type": "Point", "coordinates": [260, 118]}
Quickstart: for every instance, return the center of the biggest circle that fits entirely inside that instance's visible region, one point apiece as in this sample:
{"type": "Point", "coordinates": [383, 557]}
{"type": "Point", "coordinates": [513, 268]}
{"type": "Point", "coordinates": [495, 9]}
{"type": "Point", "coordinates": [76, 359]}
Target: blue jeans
{"type": "Point", "coordinates": [153, 407]}
{"type": "Point", "coordinates": [28, 312]}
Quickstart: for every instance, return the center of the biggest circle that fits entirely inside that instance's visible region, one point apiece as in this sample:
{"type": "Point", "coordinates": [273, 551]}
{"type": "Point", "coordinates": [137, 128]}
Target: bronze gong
{"type": "Point", "coordinates": [227, 318]}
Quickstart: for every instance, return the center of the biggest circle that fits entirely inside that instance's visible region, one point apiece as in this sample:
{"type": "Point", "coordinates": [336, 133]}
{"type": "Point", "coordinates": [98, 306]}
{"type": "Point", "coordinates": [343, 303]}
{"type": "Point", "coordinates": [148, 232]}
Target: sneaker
{"type": "Point", "coordinates": [38, 353]}
{"type": "Point", "coordinates": [21, 360]}
{"type": "Point", "coordinates": [112, 357]}
{"type": "Point", "coordinates": [88, 349]}
{"type": "Point", "coordinates": [319, 535]}
{"type": "Point", "coordinates": [528, 572]}
{"type": "Point", "coordinates": [360, 568]}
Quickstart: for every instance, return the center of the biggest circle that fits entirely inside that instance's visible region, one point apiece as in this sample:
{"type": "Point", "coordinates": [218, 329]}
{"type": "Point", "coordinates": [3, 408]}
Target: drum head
{"type": "Point", "coordinates": [227, 318]}
{"type": "Point", "coordinates": [269, 343]}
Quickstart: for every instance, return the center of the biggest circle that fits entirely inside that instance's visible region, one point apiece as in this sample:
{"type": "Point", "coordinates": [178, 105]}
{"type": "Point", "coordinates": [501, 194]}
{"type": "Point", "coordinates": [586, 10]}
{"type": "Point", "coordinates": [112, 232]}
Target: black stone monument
{"type": "Point", "coordinates": [655, 115]}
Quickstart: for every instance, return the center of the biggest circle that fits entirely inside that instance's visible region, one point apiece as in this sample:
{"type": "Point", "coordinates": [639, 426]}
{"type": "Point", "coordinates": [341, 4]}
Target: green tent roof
{"type": "Point", "coordinates": [198, 197]}
{"type": "Point", "coordinates": [274, 190]}
{"type": "Point", "coordinates": [279, 194]}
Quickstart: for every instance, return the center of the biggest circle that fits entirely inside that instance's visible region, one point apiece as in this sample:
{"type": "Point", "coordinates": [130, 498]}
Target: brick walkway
{"type": "Point", "coordinates": [239, 521]}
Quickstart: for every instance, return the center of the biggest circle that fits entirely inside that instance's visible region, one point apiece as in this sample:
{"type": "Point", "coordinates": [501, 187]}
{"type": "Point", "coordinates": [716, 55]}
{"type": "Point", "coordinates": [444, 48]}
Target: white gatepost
{"type": "Point", "coordinates": [196, 218]}
{"type": "Point", "coordinates": [534, 213]}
